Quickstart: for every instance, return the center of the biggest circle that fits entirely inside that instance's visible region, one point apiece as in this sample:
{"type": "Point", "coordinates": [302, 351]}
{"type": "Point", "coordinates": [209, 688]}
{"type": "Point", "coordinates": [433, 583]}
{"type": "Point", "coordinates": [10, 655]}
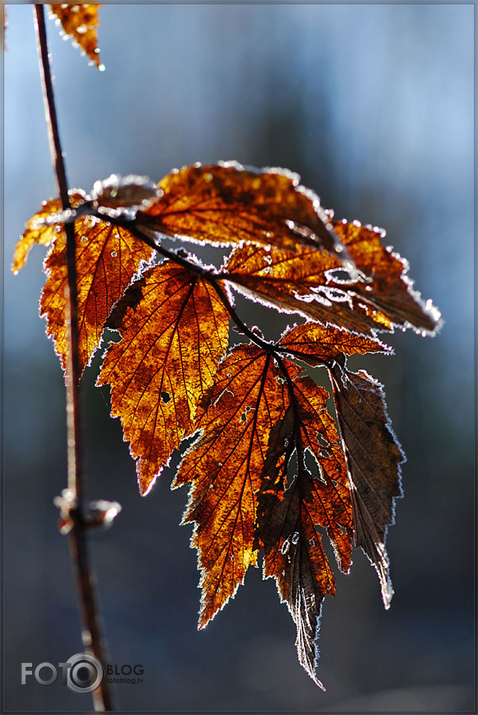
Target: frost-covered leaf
{"type": "Point", "coordinates": [385, 286]}
{"type": "Point", "coordinates": [174, 330]}
{"type": "Point", "coordinates": [294, 510]}
{"type": "Point", "coordinates": [38, 230]}
{"type": "Point", "coordinates": [224, 466]}
{"type": "Point", "coordinates": [226, 203]}
{"type": "Point", "coordinates": [268, 468]}
{"type": "Point", "coordinates": [317, 345]}
{"type": "Point", "coordinates": [119, 194]}
{"type": "Point", "coordinates": [80, 22]}
{"type": "Point", "coordinates": [107, 257]}
{"type": "Point", "coordinates": [315, 284]}
{"type": "Point", "coordinates": [372, 452]}
{"type": "Point", "coordinates": [373, 457]}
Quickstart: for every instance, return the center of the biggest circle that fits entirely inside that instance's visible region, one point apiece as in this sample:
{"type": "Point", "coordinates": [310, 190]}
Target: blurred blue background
{"type": "Point", "coordinates": [373, 105]}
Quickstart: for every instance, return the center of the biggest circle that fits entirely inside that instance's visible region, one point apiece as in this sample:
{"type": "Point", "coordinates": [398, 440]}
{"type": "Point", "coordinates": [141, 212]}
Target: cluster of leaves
{"type": "Point", "coordinates": [269, 469]}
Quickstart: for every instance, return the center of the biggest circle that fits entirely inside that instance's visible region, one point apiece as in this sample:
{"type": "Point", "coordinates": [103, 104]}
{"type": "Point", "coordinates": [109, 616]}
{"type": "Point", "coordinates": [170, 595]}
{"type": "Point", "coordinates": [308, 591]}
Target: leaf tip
{"type": "Point", "coordinates": [146, 484]}
{"type": "Point", "coordinates": [387, 592]}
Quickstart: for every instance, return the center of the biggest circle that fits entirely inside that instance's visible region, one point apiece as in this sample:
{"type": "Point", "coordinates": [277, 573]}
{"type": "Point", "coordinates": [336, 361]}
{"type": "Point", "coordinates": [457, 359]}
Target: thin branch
{"type": "Point", "coordinates": [152, 238]}
{"type": "Point", "coordinates": [215, 280]}
{"type": "Point", "coordinates": [92, 622]}
{"type": "Point", "coordinates": [197, 268]}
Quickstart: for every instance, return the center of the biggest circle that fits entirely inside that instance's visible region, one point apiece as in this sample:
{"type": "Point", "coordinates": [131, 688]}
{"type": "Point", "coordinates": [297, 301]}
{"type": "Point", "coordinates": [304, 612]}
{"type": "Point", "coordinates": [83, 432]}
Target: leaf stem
{"type": "Point", "coordinates": [204, 273]}
{"type": "Point", "coordinates": [92, 622]}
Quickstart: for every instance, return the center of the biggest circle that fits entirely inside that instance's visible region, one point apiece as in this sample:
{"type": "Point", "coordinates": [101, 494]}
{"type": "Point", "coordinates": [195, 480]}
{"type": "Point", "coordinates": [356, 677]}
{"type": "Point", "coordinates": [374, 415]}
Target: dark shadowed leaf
{"type": "Point", "coordinates": [371, 449]}
{"type": "Point", "coordinates": [373, 457]}
{"type": "Point", "coordinates": [118, 194]}
{"type": "Point", "coordinates": [290, 514]}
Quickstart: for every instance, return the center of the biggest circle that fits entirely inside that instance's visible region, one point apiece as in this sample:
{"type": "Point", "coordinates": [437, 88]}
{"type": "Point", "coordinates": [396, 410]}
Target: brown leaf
{"type": "Point", "coordinates": [80, 22]}
{"type": "Point", "coordinates": [372, 451]}
{"type": "Point", "coordinates": [117, 194]}
{"type": "Point", "coordinates": [225, 466]}
{"type": "Point", "coordinates": [225, 203]}
{"type": "Point", "coordinates": [174, 330]}
{"type": "Point", "coordinates": [314, 284]}
{"type": "Point", "coordinates": [107, 258]}
{"type": "Point", "coordinates": [317, 345]}
{"type": "Point", "coordinates": [289, 514]}
{"type": "Point", "coordinates": [373, 457]}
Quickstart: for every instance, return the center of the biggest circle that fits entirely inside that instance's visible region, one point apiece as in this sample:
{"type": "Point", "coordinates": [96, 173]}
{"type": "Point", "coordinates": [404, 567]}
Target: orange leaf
{"type": "Point", "coordinates": [38, 231]}
{"type": "Point", "coordinates": [107, 257]}
{"type": "Point", "coordinates": [316, 344]}
{"type": "Point", "coordinates": [373, 457]}
{"type": "Point", "coordinates": [314, 284]}
{"type": "Point", "coordinates": [225, 466]}
{"type": "Point", "coordinates": [288, 514]}
{"type": "Point", "coordinates": [225, 203]}
{"type": "Point", "coordinates": [386, 285]}
{"type": "Point", "coordinates": [174, 330]}
{"type": "Point", "coordinates": [80, 22]}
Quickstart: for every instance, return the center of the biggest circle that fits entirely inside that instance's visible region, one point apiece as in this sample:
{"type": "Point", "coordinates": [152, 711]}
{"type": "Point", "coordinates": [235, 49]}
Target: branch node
{"type": "Point", "coordinates": [95, 515]}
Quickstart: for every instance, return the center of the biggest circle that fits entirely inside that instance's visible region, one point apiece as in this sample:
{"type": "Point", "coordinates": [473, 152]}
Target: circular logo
{"type": "Point", "coordinates": [85, 673]}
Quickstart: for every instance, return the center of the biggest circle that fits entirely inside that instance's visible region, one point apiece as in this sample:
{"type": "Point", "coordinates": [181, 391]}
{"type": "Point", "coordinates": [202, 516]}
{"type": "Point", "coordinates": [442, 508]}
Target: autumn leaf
{"type": "Point", "coordinates": [174, 329]}
{"type": "Point", "coordinates": [107, 257]}
{"type": "Point", "coordinates": [291, 510]}
{"type": "Point", "coordinates": [80, 22]}
{"type": "Point", "coordinates": [225, 465]}
{"type": "Point", "coordinates": [38, 231]}
{"type": "Point", "coordinates": [114, 197]}
{"type": "Point", "coordinates": [385, 287]}
{"type": "Point", "coordinates": [226, 203]}
{"type": "Point", "coordinates": [318, 345]}
{"type": "Point", "coordinates": [314, 283]}
{"type": "Point", "coordinates": [373, 457]}
{"type": "Point", "coordinates": [124, 195]}
{"type": "Point", "coordinates": [268, 468]}
{"type": "Point", "coordinates": [372, 452]}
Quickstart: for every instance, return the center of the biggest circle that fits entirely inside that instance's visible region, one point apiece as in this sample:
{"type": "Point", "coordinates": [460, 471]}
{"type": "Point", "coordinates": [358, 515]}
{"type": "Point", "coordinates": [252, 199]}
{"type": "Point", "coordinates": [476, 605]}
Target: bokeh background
{"type": "Point", "coordinates": [373, 105]}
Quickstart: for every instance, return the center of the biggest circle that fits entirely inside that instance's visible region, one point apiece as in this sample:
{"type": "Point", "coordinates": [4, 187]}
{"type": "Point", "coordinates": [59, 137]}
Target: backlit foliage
{"type": "Point", "coordinates": [269, 469]}
{"type": "Point", "coordinates": [80, 23]}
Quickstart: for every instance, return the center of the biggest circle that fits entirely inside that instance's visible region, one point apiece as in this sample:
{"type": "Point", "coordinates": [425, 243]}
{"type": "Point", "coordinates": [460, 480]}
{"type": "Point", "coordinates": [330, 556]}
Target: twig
{"type": "Point", "coordinates": [208, 275]}
{"type": "Point", "coordinates": [92, 631]}
{"type": "Point", "coordinates": [215, 279]}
